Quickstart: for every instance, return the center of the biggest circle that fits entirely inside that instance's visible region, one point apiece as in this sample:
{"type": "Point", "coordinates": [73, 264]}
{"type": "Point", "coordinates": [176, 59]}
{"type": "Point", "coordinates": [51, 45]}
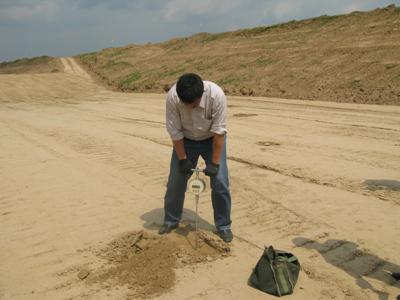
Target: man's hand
{"type": "Point", "coordinates": [211, 170]}
{"type": "Point", "coordinates": [185, 166]}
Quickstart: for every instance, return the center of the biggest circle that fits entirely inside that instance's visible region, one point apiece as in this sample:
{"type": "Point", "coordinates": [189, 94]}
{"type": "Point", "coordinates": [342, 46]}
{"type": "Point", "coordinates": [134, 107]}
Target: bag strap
{"type": "Point", "coordinates": [270, 253]}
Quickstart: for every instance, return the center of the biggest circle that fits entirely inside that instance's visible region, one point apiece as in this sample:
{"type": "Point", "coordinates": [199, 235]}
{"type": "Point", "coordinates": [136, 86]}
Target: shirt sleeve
{"type": "Point", "coordinates": [219, 112]}
{"type": "Point", "coordinates": [173, 120]}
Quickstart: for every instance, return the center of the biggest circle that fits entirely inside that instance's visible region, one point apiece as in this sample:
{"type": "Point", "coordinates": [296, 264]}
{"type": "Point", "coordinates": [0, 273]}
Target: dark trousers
{"type": "Point", "coordinates": [176, 187]}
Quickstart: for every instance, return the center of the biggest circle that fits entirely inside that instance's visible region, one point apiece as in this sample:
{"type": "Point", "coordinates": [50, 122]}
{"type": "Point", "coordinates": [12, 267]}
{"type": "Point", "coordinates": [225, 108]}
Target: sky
{"type": "Point", "coordinates": [31, 28]}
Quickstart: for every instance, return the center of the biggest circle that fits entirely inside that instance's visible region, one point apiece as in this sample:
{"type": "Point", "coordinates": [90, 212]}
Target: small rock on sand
{"type": "Point", "coordinates": [83, 274]}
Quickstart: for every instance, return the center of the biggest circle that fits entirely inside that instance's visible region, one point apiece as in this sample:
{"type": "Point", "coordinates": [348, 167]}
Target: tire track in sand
{"type": "Point", "coordinates": [72, 67]}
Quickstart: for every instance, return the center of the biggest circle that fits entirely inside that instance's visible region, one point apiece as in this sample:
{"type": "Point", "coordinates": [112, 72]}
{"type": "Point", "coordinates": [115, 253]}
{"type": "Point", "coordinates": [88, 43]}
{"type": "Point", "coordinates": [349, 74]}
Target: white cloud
{"type": "Point", "coordinates": [43, 9]}
{"type": "Point", "coordinates": [177, 10]}
{"type": "Point", "coordinates": [351, 7]}
{"type": "Point", "coordinates": [286, 9]}
{"type": "Point", "coordinates": [59, 27]}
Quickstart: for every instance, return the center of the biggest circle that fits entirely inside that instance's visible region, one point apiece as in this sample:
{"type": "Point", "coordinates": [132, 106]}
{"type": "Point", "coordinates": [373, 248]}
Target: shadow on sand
{"type": "Point", "coordinates": [382, 184]}
{"type": "Point", "coordinates": [154, 219]}
{"type": "Point", "coordinates": [356, 262]}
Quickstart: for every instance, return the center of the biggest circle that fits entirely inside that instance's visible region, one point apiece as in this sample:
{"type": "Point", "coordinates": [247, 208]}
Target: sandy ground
{"type": "Point", "coordinates": [80, 165]}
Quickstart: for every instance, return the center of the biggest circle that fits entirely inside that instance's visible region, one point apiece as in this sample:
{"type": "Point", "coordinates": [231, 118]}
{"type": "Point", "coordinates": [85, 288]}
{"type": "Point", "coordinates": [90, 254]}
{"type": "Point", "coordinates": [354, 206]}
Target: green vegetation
{"type": "Point", "coordinates": [27, 61]}
{"type": "Point", "coordinates": [174, 72]}
{"type": "Point", "coordinates": [111, 64]}
{"type": "Point", "coordinates": [291, 24]}
{"type": "Point", "coordinates": [390, 66]}
{"type": "Point", "coordinates": [127, 80]}
{"type": "Point", "coordinates": [325, 19]}
{"type": "Point", "coordinates": [116, 52]}
{"type": "Point", "coordinates": [175, 44]}
{"type": "Point", "coordinates": [229, 79]}
{"type": "Point", "coordinates": [190, 61]}
{"type": "Point", "coordinates": [253, 31]}
{"type": "Point", "coordinates": [84, 55]}
{"type": "Point", "coordinates": [40, 64]}
{"type": "Point", "coordinates": [263, 61]}
{"type": "Point", "coordinates": [213, 37]}
{"type": "Point", "coordinates": [88, 56]}
{"type": "Point", "coordinates": [176, 48]}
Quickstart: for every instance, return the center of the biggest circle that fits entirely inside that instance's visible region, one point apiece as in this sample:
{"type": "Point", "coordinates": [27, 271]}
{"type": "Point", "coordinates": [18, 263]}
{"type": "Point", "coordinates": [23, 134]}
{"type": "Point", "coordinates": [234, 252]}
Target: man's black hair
{"type": "Point", "coordinates": [189, 87]}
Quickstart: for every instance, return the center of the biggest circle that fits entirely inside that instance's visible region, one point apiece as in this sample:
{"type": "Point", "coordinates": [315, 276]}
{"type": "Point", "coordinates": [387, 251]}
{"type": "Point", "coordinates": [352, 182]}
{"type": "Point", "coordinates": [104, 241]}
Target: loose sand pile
{"type": "Point", "coordinates": [145, 262]}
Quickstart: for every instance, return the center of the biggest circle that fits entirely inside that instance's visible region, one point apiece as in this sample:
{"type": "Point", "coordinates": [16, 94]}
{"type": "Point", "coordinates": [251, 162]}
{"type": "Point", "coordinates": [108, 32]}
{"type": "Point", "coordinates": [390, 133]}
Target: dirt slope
{"type": "Point", "coordinates": [41, 64]}
{"type": "Point", "coordinates": [346, 58]}
{"type": "Point", "coordinates": [81, 165]}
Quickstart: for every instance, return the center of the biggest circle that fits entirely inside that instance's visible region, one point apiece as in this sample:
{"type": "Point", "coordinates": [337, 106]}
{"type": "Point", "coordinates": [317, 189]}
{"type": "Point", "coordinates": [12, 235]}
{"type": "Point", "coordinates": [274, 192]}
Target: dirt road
{"type": "Point", "coordinates": [80, 165]}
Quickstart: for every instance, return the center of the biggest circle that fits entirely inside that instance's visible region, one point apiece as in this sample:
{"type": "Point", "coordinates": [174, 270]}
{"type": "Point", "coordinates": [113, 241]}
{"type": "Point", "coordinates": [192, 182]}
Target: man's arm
{"type": "Point", "coordinates": [218, 144]}
{"type": "Point", "coordinates": [174, 125]}
{"type": "Point", "coordinates": [185, 165]}
{"type": "Point", "coordinates": [218, 127]}
{"type": "Point", "coordinates": [179, 149]}
{"type": "Point", "coordinates": [219, 124]}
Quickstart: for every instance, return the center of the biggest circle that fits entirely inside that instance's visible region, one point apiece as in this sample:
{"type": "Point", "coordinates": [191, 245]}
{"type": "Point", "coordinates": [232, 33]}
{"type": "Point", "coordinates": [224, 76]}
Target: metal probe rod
{"type": "Point", "coordinates": [197, 211]}
{"type": "Point", "coordinates": [197, 171]}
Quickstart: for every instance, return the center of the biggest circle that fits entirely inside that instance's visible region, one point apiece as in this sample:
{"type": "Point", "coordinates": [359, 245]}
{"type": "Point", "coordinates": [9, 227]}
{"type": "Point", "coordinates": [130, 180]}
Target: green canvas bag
{"type": "Point", "coordinates": [276, 272]}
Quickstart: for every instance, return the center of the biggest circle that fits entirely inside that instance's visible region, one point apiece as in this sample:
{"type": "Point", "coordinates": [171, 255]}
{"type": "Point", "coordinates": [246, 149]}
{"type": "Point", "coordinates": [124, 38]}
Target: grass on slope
{"type": "Point", "coordinates": [41, 64]}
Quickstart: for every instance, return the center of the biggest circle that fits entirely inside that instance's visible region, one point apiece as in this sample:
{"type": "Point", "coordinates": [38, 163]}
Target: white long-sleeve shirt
{"type": "Point", "coordinates": [197, 123]}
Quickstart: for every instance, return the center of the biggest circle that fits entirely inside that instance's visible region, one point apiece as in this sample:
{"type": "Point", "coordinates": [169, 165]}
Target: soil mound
{"type": "Point", "coordinates": [145, 262]}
